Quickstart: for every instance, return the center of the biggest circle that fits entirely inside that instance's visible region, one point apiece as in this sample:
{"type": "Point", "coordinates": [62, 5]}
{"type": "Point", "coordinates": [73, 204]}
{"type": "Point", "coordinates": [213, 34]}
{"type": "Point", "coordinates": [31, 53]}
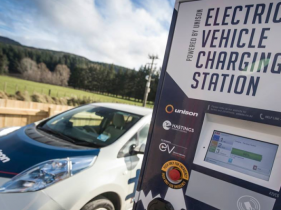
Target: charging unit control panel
{"type": "Point", "coordinates": [215, 138]}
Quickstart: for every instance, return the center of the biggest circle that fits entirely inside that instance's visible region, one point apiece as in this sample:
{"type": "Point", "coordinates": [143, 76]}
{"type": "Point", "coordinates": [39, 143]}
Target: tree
{"type": "Point", "coordinates": [4, 63]}
{"type": "Point", "coordinates": [119, 83]}
{"type": "Point", "coordinates": [140, 82]}
{"type": "Point", "coordinates": [26, 65]}
{"type": "Point", "coordinates": [131, 84]}
{"type": "Point", "coordinates": [154, 85]}
{"type": "Point", "coordinates": [29, 69]}
{"type": "Point", "coordinates": [46, 75]}
{"type": "Point", "coordinates": [109, 79]}
{"type": "Point", "coordinates": [67, 69]}
{"type": "Point", "coordinates": [61, 75]}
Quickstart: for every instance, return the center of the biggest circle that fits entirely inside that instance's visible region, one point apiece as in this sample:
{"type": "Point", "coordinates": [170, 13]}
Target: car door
{"type": "Point", "coordinates": [124, 155]}
{"type": "Point", "coordinates": [136, 162]}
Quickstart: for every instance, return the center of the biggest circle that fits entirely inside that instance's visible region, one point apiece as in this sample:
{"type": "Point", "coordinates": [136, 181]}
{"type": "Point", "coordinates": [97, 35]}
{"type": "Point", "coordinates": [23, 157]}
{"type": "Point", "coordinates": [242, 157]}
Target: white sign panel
{"type": "Point", "coordinates": [229, 52]}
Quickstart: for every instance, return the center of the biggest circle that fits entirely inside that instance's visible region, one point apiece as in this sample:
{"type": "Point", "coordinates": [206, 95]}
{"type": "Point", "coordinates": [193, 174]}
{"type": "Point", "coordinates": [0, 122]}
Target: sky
{"type": "Point", "coordinates": [122, 32]}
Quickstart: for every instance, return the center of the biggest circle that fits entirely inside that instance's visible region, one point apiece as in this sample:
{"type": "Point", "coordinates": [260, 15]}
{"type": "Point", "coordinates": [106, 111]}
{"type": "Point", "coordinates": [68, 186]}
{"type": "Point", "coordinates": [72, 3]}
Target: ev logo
{"type": "Point", "coordinates": [167, 125]}
{"type": "Point", "coordinates": [248, 203]}
{"type": "Point", "coordinates": [165, 147]}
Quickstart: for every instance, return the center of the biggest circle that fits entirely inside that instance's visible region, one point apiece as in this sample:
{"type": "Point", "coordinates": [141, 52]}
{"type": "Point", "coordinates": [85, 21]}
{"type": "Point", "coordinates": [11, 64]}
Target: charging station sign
{"type": "Point", "coordinates": [215, 141]}
{"type": "Point", "coordinates": [227, 51]}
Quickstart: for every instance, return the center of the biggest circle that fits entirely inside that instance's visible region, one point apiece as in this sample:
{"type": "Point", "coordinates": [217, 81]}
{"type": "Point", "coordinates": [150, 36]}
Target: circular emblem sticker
{"type": "Point", "coordinates": [169, 109]}
{"type": "Point", "coordinates": [167, 125]}
{"type": "Point", "coordinates": [248, 202]}
{"type": "Point", "coordinates": [175, 174]}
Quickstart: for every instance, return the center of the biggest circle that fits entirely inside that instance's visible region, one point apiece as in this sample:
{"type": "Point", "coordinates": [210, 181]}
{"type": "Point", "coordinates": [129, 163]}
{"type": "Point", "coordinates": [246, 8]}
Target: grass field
{"type": "Point", "coordinates": [13, 84]}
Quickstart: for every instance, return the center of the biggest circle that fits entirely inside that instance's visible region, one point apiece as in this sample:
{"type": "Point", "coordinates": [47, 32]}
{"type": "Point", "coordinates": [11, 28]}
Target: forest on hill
{"type": "Point", "coordinates": [65, 69]}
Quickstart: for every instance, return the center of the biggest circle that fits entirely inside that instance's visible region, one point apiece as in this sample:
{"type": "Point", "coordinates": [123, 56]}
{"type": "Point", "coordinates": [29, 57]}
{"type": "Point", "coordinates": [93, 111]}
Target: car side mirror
{"type": "Point", "coordinates": [134, 150]}
{"type": "Point", "coordinates": [142, 148]}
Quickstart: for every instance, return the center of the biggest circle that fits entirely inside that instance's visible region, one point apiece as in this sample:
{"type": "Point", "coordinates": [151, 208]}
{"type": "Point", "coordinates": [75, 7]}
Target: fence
{"type": "Point", "coordinates": [61, 92]}
{"type": "Point", "coordinates": [12, 88]}
{"type": "Point", "coordinates": [20, 113]}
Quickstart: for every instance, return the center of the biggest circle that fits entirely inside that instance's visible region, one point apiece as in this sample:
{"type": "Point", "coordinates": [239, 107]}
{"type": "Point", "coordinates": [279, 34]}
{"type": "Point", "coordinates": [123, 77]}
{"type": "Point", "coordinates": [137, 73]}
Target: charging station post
{"type": "Point", "coordinates": [215, 137]}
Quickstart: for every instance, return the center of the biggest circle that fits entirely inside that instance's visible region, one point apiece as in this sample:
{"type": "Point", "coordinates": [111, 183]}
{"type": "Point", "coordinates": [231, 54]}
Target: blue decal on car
{"type": "Point", "coordinates": [135, 181]}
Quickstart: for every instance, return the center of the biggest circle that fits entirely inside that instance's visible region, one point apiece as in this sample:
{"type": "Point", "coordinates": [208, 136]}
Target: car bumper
{"type": "Point", "coordinates": [28, 201]}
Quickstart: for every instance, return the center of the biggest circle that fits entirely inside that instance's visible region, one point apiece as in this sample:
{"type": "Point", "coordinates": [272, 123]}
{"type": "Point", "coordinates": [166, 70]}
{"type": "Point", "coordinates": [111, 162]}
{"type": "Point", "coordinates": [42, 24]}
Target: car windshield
{"type": "Point", "coordinates": [90, 125]}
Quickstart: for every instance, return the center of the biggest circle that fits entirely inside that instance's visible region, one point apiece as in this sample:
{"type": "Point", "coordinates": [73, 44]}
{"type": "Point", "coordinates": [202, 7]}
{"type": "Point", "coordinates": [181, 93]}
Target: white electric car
{"type": "Point", "coordinates": [87, 158]}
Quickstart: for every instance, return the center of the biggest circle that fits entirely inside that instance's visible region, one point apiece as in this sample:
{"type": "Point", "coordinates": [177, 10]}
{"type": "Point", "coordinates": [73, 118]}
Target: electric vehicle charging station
{"type": "Point", "coordinates": [215, 137]}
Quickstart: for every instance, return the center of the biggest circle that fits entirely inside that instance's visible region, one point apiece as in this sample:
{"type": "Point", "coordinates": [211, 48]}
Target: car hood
{"type": "Point", "coordinates": [19, 151]}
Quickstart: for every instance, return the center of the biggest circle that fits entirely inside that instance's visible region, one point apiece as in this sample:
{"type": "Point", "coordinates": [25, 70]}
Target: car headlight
{"type": "Point", "coordinates": [47, 173]}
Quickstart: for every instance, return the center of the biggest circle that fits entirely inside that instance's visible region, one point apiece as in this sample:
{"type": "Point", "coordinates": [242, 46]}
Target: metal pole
{"type": "Point", "coordinates": [147, 87]}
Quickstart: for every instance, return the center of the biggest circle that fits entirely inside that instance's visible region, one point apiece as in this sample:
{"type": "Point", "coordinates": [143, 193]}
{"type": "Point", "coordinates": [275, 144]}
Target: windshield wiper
{"type": "Point", "coordinates": [69, 139]}
{"type": "Point", "coordinates": [86, 143]}
{"type": "Point", "coordinates": [57, 134]}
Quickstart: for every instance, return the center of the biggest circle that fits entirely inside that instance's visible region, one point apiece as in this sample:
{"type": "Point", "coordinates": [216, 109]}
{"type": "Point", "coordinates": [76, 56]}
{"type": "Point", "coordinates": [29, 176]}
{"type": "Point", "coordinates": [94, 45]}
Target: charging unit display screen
{"type": "Point", "coordinates": [241, 154]}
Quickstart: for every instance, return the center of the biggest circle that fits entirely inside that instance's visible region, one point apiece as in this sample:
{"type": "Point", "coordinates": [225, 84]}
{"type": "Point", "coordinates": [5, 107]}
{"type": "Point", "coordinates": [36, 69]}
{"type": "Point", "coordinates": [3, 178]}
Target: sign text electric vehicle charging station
{"type": "Point", "coordinates": [215, 139]}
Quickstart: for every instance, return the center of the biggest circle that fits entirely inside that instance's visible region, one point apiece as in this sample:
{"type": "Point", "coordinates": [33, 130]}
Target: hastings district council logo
{"type": "Point", "coordinates": [167, 125]}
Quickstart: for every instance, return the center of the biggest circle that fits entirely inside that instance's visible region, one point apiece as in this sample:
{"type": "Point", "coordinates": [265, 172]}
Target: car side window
{"type": "Point", "coordinates": [125, 150]}
{"type": "Point", "coordinates": [143, 135]}
{"type": "Point", "coordinates": [138, 139]}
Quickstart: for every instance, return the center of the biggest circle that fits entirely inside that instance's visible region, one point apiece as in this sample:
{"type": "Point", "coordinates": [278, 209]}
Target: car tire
{"type": "Point", "coordinates": [99, 203]}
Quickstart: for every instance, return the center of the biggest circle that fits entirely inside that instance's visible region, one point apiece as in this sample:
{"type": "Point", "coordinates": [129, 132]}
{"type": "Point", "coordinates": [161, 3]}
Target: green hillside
{"type": "Point", "coordinates": [14, 84]}
{"type": "Point", "coordinates": [66, 69]}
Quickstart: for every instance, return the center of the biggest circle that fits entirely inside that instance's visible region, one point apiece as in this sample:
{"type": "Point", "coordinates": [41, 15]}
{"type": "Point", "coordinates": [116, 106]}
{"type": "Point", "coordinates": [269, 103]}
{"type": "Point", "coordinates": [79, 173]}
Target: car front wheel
{"type": "Point", "coordinates": [99, 203]}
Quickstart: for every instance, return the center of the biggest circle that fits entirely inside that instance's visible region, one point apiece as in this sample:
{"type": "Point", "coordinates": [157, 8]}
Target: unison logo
{"type": "Point", "coordinates": [167, 125]}
{"type": "Point", "coordinates": [170, 109]}
{"type": "Point", "coordinates": [3, 157]}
